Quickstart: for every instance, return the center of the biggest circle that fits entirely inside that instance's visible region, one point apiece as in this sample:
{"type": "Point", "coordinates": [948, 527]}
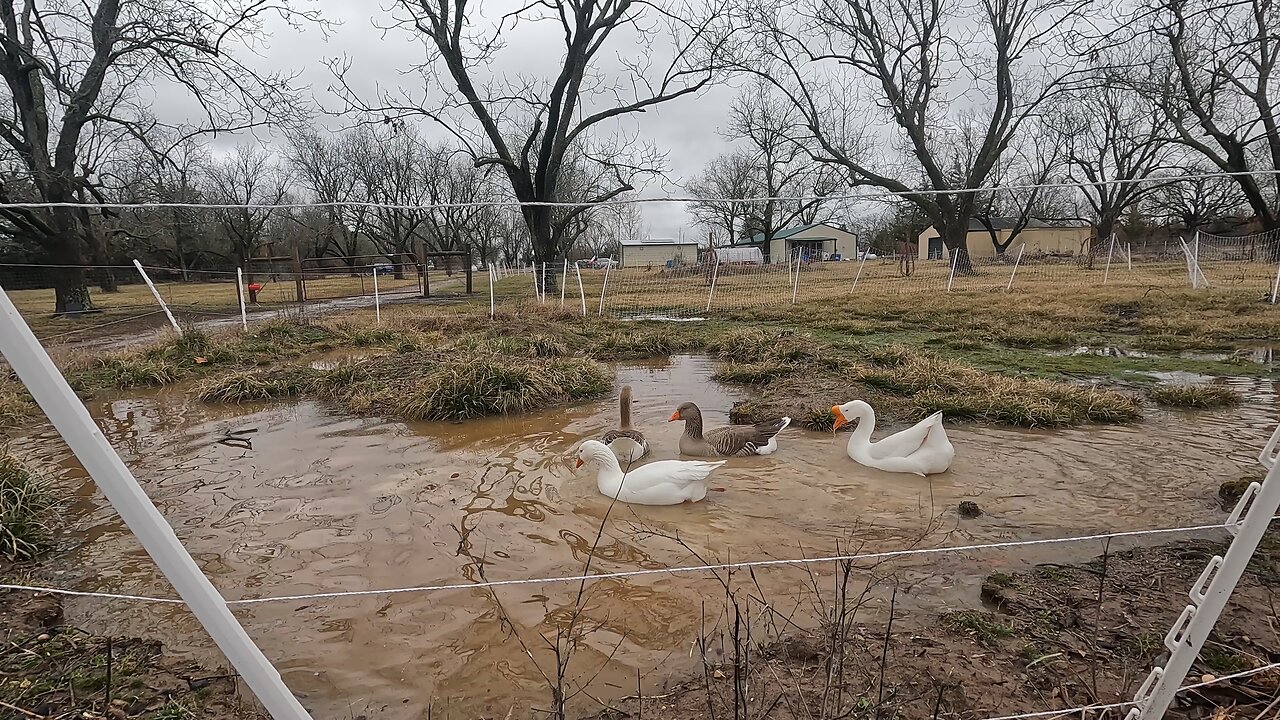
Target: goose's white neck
{"type": "Point", "coordinates": [866, 417]}
{"type": "Point", "coordinates": [609, 475]}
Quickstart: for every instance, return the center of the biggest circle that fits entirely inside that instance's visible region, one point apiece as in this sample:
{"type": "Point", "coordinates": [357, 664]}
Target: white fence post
{"type": "Point", "coordinates": [491, 271]}
{"type": "Point", "coordinates": [603, 288]}
{"type": "Point", "coordinates": [1275, 285]}
{"type": "Point", "coordinates": [1128, 255]}
{"type": "Point", "coordinates": [72, 421]}
{"type": "Point", "coordinates": [244, 318]}
{"type": "Point", "coordinates": [1186, 253]}
{"type": "Point", "coordinates": [377, 299]}
{"type": "Point", "coordinates": [1016, 262]}
{"type": "Point", "coordinates": [156, 294]}
{"type": "Point", "coordinates": [1247, 522]}
{"type": "Point", "coordinates": [955, 260]}
{"type": "Point", "coordinates": [533, 273]}
{"type": "Point", "coordinates": [1111, 250]}
{"type": "Point", "coordinates": [542, 294]}
{"type": "Point", "coordinates": [564, 277]}
{"type": "Point", "coordinates": [861, 262]}
{"type": "Point", "coordinates": [795, 287]}
{"type": "Point", "coordinates": [715, 273]}
{"type": "Point", "coordinates": [582, 293]}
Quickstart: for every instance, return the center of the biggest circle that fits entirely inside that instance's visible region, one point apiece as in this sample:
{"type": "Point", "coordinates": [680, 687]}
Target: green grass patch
{"type": "Point", "coordinates": [1196, 396]}
{"type": "Point", "coordinates": [984, 627]}
{"type": "Point", "coordinates": [26, 505]}
{"type": "Point", "coordinates": [462, 386]}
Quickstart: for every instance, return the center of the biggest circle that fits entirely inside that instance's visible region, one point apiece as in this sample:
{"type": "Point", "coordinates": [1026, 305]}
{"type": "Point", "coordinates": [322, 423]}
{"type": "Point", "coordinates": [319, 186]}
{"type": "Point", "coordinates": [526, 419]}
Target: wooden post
{"type": "Point", "coordinates": [467, 264]}
{"type": "Point", "coordinates": [299, 285]}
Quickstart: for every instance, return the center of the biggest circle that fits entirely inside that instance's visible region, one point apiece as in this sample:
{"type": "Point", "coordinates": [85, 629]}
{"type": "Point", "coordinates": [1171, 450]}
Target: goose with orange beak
{"type": "Point", "coordinates": [729, 440]}
{"type": "Point", "coordinates": [665, 482]}
{"type": "Point", "coordinates": [922, 449]}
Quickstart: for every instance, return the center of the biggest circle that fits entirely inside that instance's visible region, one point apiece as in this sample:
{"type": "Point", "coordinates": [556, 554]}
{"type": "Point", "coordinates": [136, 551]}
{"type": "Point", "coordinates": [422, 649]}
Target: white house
{"type": "Point", "coordinates": [656, 252]}
{"type": "Point", "coordinates": [818, 241]}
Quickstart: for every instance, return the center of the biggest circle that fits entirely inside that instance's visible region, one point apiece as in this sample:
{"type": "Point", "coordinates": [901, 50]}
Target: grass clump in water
{"type": "Point", "coordinates": [25, 506]}
{"type": "Point", "coordinates": [639, 343]}
{"type": "Point", "coordinates": [258, 385]}
{"type": "Point", "coordinates": [16, 407]}
{"type": "Point", "coordinates": [468, 386]}
{"type": "Point", "coordinates": [1200, 397]}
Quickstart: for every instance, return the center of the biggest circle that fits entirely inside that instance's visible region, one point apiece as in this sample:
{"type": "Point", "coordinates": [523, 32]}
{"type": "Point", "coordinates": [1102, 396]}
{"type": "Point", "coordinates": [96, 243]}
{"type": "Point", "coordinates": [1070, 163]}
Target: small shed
{"type": "Point", "coordinates": [656, 252]}
{"type": "Point", "coordinates": [1050, 239]}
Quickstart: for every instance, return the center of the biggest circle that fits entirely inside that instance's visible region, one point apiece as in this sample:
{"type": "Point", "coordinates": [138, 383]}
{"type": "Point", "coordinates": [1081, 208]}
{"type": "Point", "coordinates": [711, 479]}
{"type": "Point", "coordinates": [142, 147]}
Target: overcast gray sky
{"type": "Point", "coordinates": [687, 128]}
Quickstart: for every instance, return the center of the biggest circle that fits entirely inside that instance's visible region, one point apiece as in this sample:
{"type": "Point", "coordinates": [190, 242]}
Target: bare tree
{"type": "Point", "coordinates": [247, 177]}
{"type": "Point", "coordinates": [784, 168]}
{"type": "Point", "coordinates": [729, 175]}
{"type": "Point", "coordinates": [392, 169]}
{"type": "Point", "coordinates": [1113, 140]}
{"type": "Point", "coordinates": [72, 70]}
{"type": "Point", "coordinates": [1215, 82]}
{"type": "Point", "coordinates": [529, 127]}
{"type": "Point", "coordinates": [930, 67]}
{"type": "Point", "coordinates": [327, 168]}
{"type": "Point", "coordinates": [1020, 198]}
{"type": "Point", "coordinates": [1189, 205]}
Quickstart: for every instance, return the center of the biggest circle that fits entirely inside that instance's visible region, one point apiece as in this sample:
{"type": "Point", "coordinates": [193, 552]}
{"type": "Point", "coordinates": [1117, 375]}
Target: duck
{"type": "Point", "coordinates": [665, 482]}
{"type": "Point", "coordinates": [922, 449]}
{"type": "Point", "coordinates": [627, 443]}
{"type": "Point", "coordinates": [729, 440]}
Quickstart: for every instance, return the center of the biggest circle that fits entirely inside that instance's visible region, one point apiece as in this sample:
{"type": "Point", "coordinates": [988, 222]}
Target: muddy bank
{"type": "Point", "coordinates": [51, 669]}
{"type": "Point", "coordinates": [1056, 636]}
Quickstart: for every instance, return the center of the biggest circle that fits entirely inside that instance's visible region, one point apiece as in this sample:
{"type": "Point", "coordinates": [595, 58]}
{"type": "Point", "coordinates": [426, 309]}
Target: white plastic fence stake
{"type": "Point", "coordinates": [377, 299]}
{"type": "Point", "coordinates": [603, 288]}
{"type": "Point", "coordinates": [533, 273]}
{"type": "Point", "coordinates": [795, 287]}
{"type": "Point", "coordinates": [582, 293]}
{"type": "Point", "coordinates": [244, 318]}
{"type": "Point", "coordinates": [491, 271]}
{"type": "Point", "coordinates": [542, 294]}
{"type": "Point", "coordinates": [1128, 255]}
{"type": "Point", "coordinates": [70, 418]}
{"type": "Point", "coordinates": [564, 274]}
{"type": "Point", "coordinates": [1213, 589]}
{"type": "Point", "coordinates": [955, 260]}
{"type": "Point", "coordinates": [858, 275]}
{"type": "Point", "coordinates": [715, 273]}
{"type": "Point", "coordinates": [1111, 250]}
{"type": "Point", "coordinates": [156, 294]}
{"type": "Point", "coordinates": [1275, 285]}
{"type": "Point", "coordinates": [1186, 253]}
{"type": "Point", "coordinates": [1016, 262]}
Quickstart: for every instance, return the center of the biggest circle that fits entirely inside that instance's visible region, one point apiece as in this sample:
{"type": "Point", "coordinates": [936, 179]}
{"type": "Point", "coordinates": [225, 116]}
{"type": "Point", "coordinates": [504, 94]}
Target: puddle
{"type": "Point", "coordinates": [327, 502]}
{"type": "Point", "coordinates": [1102, 351]}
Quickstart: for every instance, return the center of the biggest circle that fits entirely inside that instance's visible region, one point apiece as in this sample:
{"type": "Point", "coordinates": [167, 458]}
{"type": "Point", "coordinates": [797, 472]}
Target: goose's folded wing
{"type": "Point", "coordinates": [678, 472]}
{"type": "Point", "coordinates": [612, 435]}
{"type": "Point", "coordinates": [906, 442]}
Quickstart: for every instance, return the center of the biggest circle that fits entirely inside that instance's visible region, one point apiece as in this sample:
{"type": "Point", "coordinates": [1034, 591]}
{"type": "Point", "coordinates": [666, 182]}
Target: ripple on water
{"type": "Point", "coordinates": [327, 502]}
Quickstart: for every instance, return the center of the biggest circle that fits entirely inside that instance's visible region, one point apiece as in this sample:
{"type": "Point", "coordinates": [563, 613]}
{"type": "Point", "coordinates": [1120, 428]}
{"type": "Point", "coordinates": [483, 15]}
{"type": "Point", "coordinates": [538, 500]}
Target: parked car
{"type": "Point", "coordinates": [384, 269]}
{"type": "Point", "coordinates": [602, 263]}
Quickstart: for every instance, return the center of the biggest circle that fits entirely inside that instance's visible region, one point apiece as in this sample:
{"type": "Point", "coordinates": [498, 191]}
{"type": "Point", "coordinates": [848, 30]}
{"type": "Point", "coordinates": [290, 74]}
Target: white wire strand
{"type": "Point", "coordinates": [888, 554]}
{"type": "Point", "coordinates": [871, 193]}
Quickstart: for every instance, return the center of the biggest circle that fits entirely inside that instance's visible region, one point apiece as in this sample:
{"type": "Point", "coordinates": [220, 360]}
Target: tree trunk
{"type": "Point", "coordinates": [538, 219]}
{"type": "Point", "coordinates": [70, 290]}
{"type": "Point", "coordinates": [955, 235]}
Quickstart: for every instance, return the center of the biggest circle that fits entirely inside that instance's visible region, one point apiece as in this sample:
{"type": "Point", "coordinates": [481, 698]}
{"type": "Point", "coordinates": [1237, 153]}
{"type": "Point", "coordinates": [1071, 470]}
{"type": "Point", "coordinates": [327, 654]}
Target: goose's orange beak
{"type": "Point", "coordinates": [674, 416]}
{"type": "Point", "coordinates": [578, 464]}
{"type": "Point", "coordinates": [841, 420]}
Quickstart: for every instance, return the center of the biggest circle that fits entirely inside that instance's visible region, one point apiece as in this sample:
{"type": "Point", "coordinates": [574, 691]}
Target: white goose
{"type": "Point", "coordinates": [923, 448]}
{"type": "Point", "coordinates": [666, 482]}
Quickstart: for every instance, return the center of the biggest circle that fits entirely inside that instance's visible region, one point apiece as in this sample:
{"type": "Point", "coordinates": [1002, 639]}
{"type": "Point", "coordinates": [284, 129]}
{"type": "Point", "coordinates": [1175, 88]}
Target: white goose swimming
{"type": "Point", "coordinates": [923, 448]}
{"type": "Point", "coordinates": [665, 482]}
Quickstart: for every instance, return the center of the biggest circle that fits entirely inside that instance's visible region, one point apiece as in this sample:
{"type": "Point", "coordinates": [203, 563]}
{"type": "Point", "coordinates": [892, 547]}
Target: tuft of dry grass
{"type": "Point", "coordinates": [1197, 396]}
{"type": "Point", "coordinates": [25, 506]}
{"type": "Point", "coordinates": [257, 385]}
{"type": "Point", "coordinates": [16, 406]}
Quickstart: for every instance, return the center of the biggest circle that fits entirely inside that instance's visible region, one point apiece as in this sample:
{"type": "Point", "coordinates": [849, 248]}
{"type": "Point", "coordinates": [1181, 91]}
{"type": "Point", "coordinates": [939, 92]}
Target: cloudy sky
{"type": "Point", "coordinates": [686, 129]}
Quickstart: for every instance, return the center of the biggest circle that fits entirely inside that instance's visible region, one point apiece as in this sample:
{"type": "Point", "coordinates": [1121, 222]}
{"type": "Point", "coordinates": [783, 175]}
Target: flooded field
{"type": "Point", "coordinates": [325, 502]}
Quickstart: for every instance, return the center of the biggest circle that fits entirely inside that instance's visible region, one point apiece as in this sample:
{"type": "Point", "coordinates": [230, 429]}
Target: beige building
{"type": "Point", "coordinates": [1038, 237]}
{"type": "Point", "coordinates": [656, 252]}
{"type": "Point", "coordinates": [818, 242]}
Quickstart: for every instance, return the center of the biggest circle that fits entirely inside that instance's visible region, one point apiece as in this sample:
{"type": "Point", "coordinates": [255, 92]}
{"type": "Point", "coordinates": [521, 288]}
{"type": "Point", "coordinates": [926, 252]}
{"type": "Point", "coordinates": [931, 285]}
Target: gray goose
{"type": "Point", "coordinates": [727, 441]}
{"type": "Point", "coordinates": [627, 443]}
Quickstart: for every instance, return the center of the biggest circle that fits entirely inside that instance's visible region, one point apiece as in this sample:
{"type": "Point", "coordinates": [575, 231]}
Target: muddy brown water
{"type": "Point", "coordinates": [326, 502]}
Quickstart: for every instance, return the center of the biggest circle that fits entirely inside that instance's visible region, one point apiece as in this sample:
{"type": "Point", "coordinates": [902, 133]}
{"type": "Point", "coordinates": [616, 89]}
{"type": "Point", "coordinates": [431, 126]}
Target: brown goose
{"type": "Point", "coordinates": [627, 443]}
{"type": "Point", "coordinates": [727, 441]}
